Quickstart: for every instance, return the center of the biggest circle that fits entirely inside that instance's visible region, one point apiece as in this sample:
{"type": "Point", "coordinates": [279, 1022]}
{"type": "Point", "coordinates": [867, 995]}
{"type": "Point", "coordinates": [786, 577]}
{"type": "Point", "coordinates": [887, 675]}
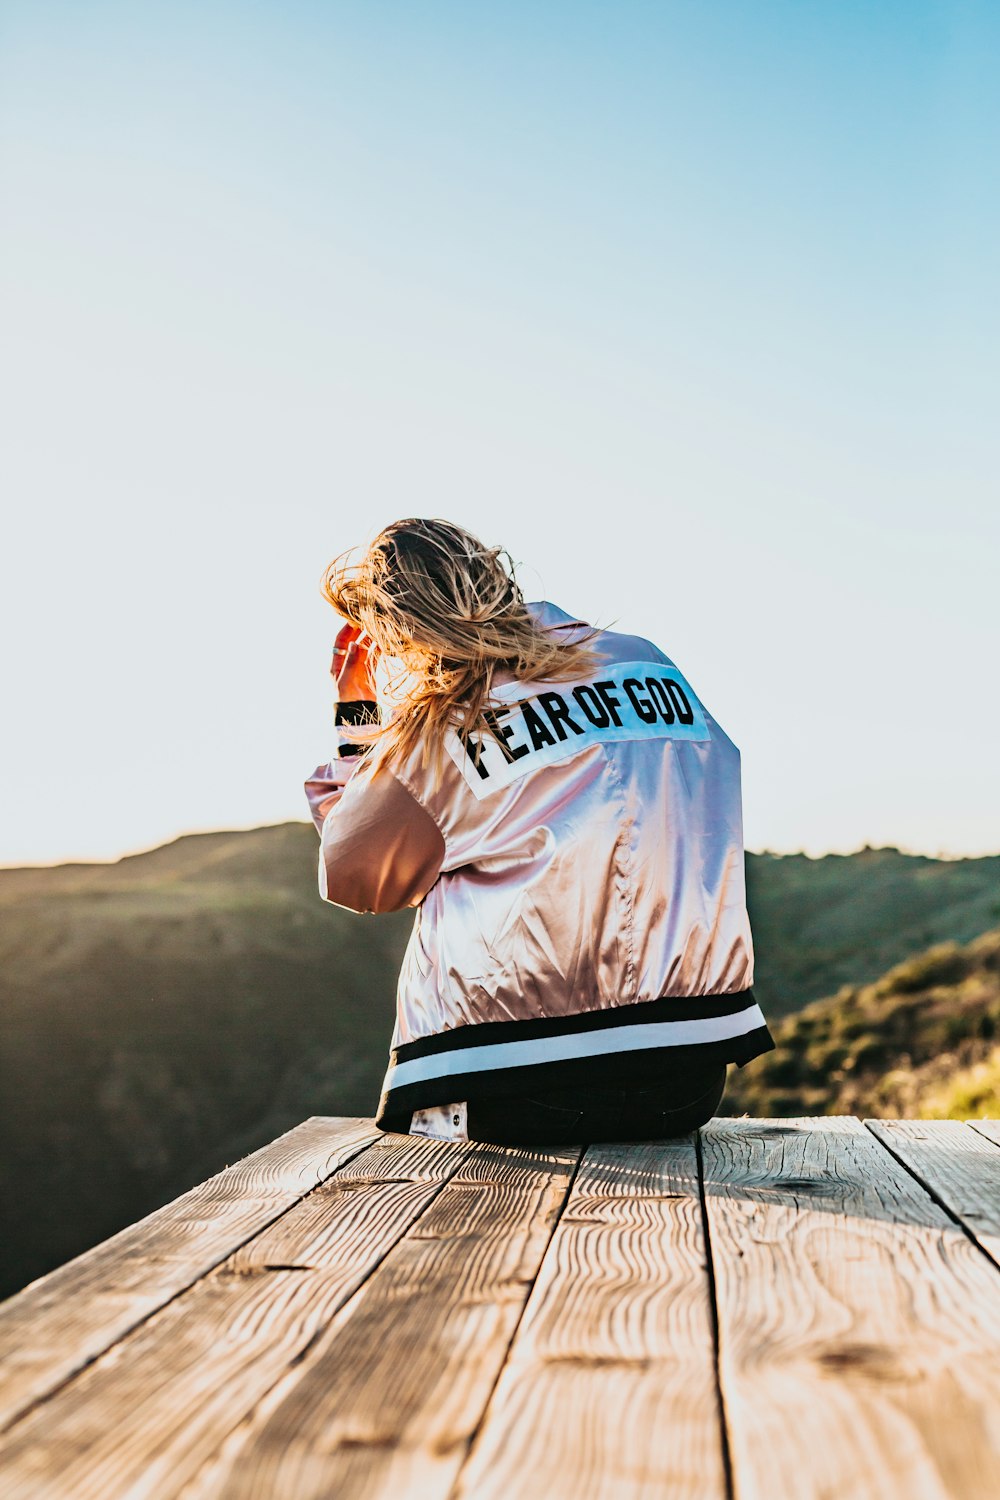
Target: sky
{"type": "Point", "coordinates": [692, 306]}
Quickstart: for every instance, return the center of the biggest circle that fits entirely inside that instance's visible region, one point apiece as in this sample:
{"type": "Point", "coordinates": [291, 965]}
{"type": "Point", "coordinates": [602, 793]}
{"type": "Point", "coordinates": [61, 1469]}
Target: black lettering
{"type": "Point", "coordinates": [598, 714]}
{"type": "Point", "coordinates": [474, 750]}
{"type": "Point", "coordinates": [642, 706]}
{"type": "Point", "coordinates": [611, 703]}
{"type": "Point", "coordinates": [558, 713]}
{"type": "Point", "coordinates": [502, 734]}
{"type": "Point", "coordinates": [540, 734]}
{"type": "Point", "coordinates": [658, 693]}
{"type": "Point", "coordinates": [680, 700]}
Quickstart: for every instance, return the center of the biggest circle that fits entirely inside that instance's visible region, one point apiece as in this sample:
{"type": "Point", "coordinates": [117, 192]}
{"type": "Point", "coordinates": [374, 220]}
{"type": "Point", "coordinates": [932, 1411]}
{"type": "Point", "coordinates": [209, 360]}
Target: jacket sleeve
{"type": "Point", "coordinates": [379, 849]}
{"type": "Point", "coordinates": [326, 783]}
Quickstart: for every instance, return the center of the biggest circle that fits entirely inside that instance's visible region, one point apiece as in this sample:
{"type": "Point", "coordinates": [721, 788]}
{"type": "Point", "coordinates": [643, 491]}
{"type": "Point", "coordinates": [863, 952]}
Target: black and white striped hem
{"type": "Point", "coordinates": [620, 1045]}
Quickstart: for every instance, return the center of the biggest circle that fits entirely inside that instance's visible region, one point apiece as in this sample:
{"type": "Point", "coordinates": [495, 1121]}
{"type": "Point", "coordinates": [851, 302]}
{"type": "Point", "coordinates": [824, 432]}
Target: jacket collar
{"type": "Point", "coordinates": [550, 616]}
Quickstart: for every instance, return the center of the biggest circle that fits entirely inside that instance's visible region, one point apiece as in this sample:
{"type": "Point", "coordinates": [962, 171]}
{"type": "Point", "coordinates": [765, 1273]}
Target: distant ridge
{"type": "Point", "coordinates": [845, 918]}
{"type": "Point", "coordinates": [818, 922]}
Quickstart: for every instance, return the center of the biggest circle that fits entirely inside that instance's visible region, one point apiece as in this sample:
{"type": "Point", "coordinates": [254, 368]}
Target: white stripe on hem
{"type": "Point", "coordinates": [622, 1038]}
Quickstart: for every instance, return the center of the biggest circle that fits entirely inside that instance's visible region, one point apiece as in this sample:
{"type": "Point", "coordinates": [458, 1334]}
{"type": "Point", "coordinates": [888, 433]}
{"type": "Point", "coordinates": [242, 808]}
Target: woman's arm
{"type": "Point", "coordinates": [354, 702]}
{"type": "Point", "coordinates": [380, 850]}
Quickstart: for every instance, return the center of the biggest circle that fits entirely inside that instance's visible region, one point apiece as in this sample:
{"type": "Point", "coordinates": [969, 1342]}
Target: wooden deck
{"type": "Point", "coordinates": [783, 1309]}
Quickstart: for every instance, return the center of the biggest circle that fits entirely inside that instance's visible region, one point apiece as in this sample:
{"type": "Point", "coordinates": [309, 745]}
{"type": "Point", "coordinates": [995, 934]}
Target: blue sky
{"type": "Point", "coordinates": [692, 306]}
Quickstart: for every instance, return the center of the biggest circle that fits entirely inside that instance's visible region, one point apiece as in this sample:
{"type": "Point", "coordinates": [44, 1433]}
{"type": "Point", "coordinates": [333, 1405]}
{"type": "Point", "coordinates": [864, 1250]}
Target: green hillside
{"type": "Point", "coordinates": [846, 918]}
{"type": "Point", "coordinates": [922, 1042]}
{"type": "Point", "coordinates": [163, 1015]}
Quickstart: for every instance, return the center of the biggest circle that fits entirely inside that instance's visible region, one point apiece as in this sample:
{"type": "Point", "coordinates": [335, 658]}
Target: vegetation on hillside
{"type": "Point", "coordinates": [163, 1016]}
{"type": "Point", "coordinates": [922, 1042]}
{"type": "Point", "coordinates": [821, 924]}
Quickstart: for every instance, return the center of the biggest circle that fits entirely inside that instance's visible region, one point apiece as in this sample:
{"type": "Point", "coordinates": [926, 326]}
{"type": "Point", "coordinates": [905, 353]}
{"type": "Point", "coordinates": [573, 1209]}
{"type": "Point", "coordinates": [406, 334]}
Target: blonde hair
{"type": "Point", "coordinates": [431, 596]}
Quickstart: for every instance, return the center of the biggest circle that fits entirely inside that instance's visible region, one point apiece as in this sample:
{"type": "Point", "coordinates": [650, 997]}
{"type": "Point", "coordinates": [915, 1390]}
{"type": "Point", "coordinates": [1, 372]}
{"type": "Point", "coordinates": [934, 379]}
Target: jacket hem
{"type": "Point", "coordinates": [651, 1040]}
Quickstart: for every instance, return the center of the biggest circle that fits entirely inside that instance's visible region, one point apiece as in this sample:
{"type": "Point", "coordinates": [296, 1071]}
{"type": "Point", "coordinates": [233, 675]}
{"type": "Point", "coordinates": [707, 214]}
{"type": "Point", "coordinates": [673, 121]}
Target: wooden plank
{"type": "Point", "coordinates": [387, 1400]}
{"type": "Point", "coordinates": [859, 1326]}
{"type": "Point", "coordinates": [59, 1323]}
{"type": "Point", "coordinates": [956, 1164]}
{"type": "Point", "coordinates": [609, 1392]}
{"type": "Point", "coordinates": [988, 1128]}
{"type": "Point", "coordinates": [144, 1419]}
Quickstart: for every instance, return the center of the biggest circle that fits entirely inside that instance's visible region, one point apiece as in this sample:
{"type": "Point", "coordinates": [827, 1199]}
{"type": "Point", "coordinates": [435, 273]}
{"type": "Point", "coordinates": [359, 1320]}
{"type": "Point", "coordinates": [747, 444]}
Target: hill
{"type": "Point", "coordinates": [844, 919]}
{"type": "Point", "coordinates": [165, 1014]}
{"type": "Point", "coordinates": [923, 1042]}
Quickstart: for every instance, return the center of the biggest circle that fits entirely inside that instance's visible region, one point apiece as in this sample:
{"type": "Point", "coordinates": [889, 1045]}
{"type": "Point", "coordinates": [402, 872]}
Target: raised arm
{"type": "Point", "coordinates": [354, 703]}
{"type": "Point", "coordinates": [379, 849]}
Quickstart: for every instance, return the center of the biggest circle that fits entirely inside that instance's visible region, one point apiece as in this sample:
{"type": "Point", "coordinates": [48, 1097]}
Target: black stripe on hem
{"type": "Point", "coordinates": [633, 1013]}
{"type": "Point", "coordinates": [611, 1069]}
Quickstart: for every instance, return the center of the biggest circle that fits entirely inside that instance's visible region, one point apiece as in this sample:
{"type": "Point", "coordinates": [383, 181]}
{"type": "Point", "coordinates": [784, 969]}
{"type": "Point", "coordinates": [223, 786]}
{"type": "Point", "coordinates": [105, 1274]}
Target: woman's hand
{"type": "Point", "coordinates": [351, 666]}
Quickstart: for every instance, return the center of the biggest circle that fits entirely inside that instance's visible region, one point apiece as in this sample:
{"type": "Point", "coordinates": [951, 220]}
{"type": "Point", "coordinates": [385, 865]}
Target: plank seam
{"type": "Point", "coordinates": [343, 1310]}
{"type": "Point", "coordinates": [983, 1120]}
{"type": "Point", "coordinates": [126, 1333]}
{"type": "Point", "coordinates": [455, 1490]}
{"type": "Point", "coordinates": [195, 1484]}
{"type": "Point", "coordinates": [727, 1457]}
{"type": "Point", "coordinates": [931, 1193]}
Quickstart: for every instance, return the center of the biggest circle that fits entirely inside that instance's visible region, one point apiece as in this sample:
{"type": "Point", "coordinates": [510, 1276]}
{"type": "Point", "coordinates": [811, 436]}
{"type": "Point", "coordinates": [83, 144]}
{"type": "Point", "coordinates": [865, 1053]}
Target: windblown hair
{"type": "Point", "coordinates": [449, 612]}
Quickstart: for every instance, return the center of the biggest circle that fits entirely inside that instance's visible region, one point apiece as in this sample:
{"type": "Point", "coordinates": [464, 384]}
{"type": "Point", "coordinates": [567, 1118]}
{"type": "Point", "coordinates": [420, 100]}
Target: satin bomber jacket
{"type": "Point", "coordinates": [578, 879]}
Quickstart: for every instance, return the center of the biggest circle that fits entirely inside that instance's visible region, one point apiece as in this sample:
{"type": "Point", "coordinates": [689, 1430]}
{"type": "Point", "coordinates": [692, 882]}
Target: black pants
{"type": "Point", "coordinates": [575, 1117]}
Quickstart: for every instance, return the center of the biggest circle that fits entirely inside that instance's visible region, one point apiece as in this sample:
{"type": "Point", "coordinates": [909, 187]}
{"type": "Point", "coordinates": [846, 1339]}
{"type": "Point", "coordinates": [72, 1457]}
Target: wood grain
{"type": "Point", "coordinates": [859, 1326]}
{"type": "Point", "coordinates": [957, 1164]}
{"type": "Point", "coordinates": [609, 1392]}
{"type": "Point", "coordinates": [386, 1401]}
{"type": "Point", "coordinates": [145, 1418]}
{"type": "Point", "coordinates": [265, 1338]}
{"type": "Point", "coordinates": [988, 1128]}
{"type": "Point", "coordinates": [58, 1324]}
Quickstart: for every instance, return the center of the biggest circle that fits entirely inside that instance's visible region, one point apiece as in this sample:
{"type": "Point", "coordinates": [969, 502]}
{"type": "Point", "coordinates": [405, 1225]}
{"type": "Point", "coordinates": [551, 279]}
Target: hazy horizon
{"type": "Point", "coordinates": [140, 849]}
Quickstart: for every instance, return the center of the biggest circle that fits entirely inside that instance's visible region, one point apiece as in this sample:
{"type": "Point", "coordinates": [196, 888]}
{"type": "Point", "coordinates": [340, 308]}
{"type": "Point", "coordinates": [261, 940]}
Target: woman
{"type": "Point", "coordinates": [565, 816]}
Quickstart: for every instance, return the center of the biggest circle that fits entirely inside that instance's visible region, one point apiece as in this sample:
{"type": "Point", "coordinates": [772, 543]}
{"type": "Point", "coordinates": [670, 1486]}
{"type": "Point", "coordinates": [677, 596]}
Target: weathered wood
{"type": "Point", "coordinates": [610, 1391]}
{"type": "Point", "coordinates": [58, 1324]}
{"type": "Point", "coordinates": [956, 1164]}
{"type": "Point", "coordinates": [859, 1326]}
{"type": "Point", "coordinates": [194, 1370]}
{"type": "Point", "coordinates": [354, 1338]}
{"type": "Point", "coordinates": [387, 1400]}
{"type": "Point", "coordinates": [988, 1128]}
